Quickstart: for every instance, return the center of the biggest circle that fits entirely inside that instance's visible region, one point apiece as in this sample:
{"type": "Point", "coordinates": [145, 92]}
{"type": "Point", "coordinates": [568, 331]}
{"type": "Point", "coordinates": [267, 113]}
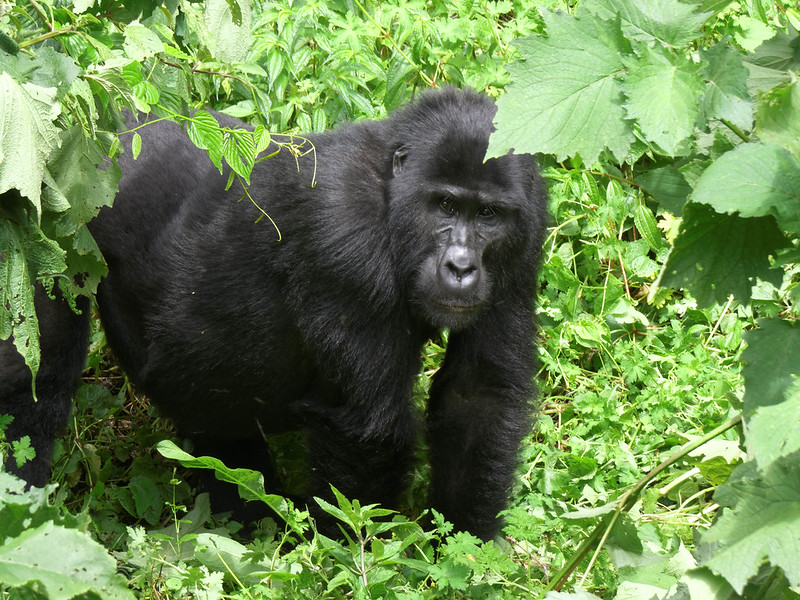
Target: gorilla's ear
{"type": "Point", "coordinates": [399, 158]}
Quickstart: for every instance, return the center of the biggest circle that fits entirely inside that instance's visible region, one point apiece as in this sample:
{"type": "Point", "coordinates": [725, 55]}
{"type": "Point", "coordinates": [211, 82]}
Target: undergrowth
{"type": "Point", "coordinates": [641, 393]}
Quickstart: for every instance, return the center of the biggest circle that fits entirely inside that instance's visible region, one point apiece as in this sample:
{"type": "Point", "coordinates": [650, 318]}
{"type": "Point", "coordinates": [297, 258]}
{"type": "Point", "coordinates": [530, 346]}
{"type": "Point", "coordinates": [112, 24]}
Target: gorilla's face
{"type": "Point", "coordinates": [460, 224]}
{"type": "Point", "coordinates": [453, 282]}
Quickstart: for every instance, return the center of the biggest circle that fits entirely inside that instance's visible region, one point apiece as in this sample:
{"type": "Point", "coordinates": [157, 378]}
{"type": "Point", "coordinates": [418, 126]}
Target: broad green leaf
{"type": "Point", "coordinates": [772, 430]}
{"type": "Point", "coordinates": [717, 255]}
{"type": "Point", "coordinates": [225, 555]}
{"type": "Point", "coordinates": [574, 106]}
{"type": "Point", "coordinates": [141, 42]}
{"type": "Point", "coordinates": [230, 32]}
{"type": "Point", "coordinates": [704, 585]}
{"type": "Point", "coordinates": [763, 523]}
{"type": "Point", "coordinates": [713, 6]}
{"type": "Point", "coordinates": [751, 32]}
{"type": "Point", "coordinates": [778, 118]}
{"type": "Point", "coordinates": [663, 95]}
{"type": "Point", "coordinates": [249, 483]}
{"type": "Point", "coordinates": [667, 186]}
{"type": "Point", "coordinates": [27, 135]}
{"type": "Point", "coordinates": [79, 170]}
{"type": "Point", "coordinates": [26, 253]}
{"type": "Point", "coordinates": [726, 96]}
{"type": "Point", "coordinates": [654, 575]}
{"type": "Point", "coordinates": [66, 563]}
{"type": "Point", "coordinates": [754, 180]}
{"type": "Point", "coordinates": [781, 53]}
{"type": "Point", "coordinates": [669, 22]}
{"type": "Point", "coordinates": [205, 133]}
{"type": "Point", "coordinates": [771, 363]}
{"type": "Point", "coordinates": [53, 70]}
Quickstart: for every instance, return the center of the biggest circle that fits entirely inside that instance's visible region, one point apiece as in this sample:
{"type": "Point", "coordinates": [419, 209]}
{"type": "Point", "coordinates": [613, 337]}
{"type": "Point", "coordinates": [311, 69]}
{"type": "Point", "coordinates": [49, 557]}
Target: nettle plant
{"type": "Point", "coordinates": [700, 118]}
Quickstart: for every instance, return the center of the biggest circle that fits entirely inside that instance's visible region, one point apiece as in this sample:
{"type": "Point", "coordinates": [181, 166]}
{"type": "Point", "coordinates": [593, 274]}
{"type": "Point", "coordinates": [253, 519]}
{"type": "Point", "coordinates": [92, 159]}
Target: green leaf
{"type": "Point", "coordinates": [136, 145]}
{"type": "Point", "coordinates": [141, 42]}
{"type": "Point", "coordinates": [225, 555]}
{"type": "Point", "coordinates": [669, 22]}
{"type": "Point", "coordinates": [66, 563]}
{"type": "Point", "coordinates": [230, 33]}
{"type": "Point", "coordinates": [772, 430]}
{"type": "Point", "coordinates": [27, 135]}
{"type": "Point", "coordinates": [646, 225]}
{"type": "Point", "coordinates": [778, 118]}
{"type": "Point", "coordinates": [17, 311]}
{"type": "Point", "coordinates": [667, 186]}
{"type": "Point", "coordinates": [23, 451]}
{"type": "Point", "coordinates": [763, 525]}
{"type": "Point", "coordinates": [717, 255]}
{"type": "Point", "coordinates": [754, 180]}
{"type": "Point", "coordinates": [726, 95]}
{"type": "Point", "coordinates": [79, 170]}
{"type": "Point", "coordinates": [249, 483]}
{"type": "Point", "coordinates": [663, 95]}
{"type": "Point", "coordinates": [53, 70]}
{"type": "Point", "coordinates": [574, 106]}
{"type": "Point", "coordinates": [205, 133]}
{"type": "Point", "coordinates": [769, 374]}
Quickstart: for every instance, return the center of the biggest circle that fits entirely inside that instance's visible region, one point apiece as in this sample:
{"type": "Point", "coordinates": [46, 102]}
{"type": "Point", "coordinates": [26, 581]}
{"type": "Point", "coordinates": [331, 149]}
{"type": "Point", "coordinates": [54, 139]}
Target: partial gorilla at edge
{"type": "Point", "coordinates": [236, 334]}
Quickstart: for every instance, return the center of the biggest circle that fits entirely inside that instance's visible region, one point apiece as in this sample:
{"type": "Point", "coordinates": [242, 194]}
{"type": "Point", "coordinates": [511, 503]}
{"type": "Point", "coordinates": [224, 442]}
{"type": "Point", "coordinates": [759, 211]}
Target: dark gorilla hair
{"type": "Point", "coordinates": [236, 334]}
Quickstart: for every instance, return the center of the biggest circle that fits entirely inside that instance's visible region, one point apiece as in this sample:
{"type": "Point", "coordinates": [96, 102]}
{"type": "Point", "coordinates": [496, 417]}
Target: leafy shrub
{"type": "Point", "coordinates": [637, 105]}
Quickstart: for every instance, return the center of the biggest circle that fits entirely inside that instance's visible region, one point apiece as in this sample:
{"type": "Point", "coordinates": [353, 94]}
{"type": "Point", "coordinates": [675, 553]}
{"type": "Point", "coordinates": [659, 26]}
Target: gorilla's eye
{"type": "Point", "coordinates": [448, 205]}
{"type": "Point", "coordinates": [488, 211]}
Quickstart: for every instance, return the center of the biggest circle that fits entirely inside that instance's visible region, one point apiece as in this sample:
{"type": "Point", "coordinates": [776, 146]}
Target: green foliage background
{"type": "Point", "coordinates": [668, 132]}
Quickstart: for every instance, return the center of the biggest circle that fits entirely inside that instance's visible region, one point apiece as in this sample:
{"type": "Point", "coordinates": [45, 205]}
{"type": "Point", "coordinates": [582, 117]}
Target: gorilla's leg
{"type": "Point", "coordinates": [372, 470]}
{"type": "Point", "coordinates": [63, 342]}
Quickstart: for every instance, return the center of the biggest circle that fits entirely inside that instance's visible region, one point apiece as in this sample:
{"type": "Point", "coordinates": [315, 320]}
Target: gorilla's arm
{"type": "Point", "coordinates": [479, 411]}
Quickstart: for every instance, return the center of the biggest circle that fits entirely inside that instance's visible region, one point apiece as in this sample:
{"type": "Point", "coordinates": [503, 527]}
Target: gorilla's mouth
{"type": "Point", "coordinates": [457, 307]}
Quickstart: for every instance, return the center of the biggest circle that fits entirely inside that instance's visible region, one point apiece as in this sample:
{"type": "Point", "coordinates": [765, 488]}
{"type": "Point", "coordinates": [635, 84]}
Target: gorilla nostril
{"type": "Point", "coordinates": [461, 275]}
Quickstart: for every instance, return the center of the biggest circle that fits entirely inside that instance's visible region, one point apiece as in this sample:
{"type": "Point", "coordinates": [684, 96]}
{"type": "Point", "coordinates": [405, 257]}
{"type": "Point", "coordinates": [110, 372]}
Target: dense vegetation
{"type": "Point", "coordinates": [660, 467]}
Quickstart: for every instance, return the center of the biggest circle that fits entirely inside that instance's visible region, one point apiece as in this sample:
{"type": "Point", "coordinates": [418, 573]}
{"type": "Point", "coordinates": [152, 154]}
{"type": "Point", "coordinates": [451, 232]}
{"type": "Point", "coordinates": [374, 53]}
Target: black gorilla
{"type": "Point", "coordinates": [236, 335]}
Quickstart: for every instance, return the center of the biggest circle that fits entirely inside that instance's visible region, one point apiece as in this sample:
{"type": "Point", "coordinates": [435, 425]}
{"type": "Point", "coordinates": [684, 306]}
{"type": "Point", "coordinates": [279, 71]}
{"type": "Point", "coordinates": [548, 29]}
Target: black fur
{"type": "Point", "coordinates": [235, 334]}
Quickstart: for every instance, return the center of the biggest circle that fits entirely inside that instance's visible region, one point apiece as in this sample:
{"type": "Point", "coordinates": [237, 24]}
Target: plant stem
{"type": "Point", "coordinates": [628, 499]}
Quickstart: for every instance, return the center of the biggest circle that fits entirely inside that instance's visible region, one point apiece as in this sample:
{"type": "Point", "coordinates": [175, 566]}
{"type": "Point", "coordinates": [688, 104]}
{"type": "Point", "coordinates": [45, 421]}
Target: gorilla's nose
{"type": "Point", "coordinates": [459, 272]}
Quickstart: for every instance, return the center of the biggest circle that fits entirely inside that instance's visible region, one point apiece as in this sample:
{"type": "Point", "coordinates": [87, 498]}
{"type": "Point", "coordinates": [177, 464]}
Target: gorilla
{"type": "Point", "coordinates": [391, 231]}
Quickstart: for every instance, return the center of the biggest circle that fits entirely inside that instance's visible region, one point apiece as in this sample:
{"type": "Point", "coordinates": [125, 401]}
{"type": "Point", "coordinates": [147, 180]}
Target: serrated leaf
{"type": "Point", "coordinates": [222, 554]}
{"type": "Point", "coordinates": [663, 95]}
{"type": "Point", "coordinates": [667, 186]}
{"type": "Point", "coordinates": [27, 136]}
{"type": "Point", "coordinates": [726, 95]}
{"type": "Point", "coordinates": [764, 524]}
{"type": "Point", "coordinates": [754, 180]}
{"type": "Point", "coordinates": [772, 430]}
{"type": "Point", "coordinates": [53, 69]}
{"type": "Point", "coordinates": [646, 226]}
{"type": "Point", "coordinates": [574, 106]}
{"type": "Point", "coordinates": [669, 22]}
{"type": "Point", "coordinates": [778, 118]}
{"type": "Point", "coordinates": [717, 255]}
{"type": "Point", "coordinates": [66, 562]}
{"type": "Point", "coordinates": [141, 42]}
{"type": "Point", "coordinates": [769, 374]}
{"type": "Point", "coordinates": [79, 169]}
{"type": "Point", "coordinates": [17, 311]}
{"type": "Point", "coordinates": [230, 32]}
